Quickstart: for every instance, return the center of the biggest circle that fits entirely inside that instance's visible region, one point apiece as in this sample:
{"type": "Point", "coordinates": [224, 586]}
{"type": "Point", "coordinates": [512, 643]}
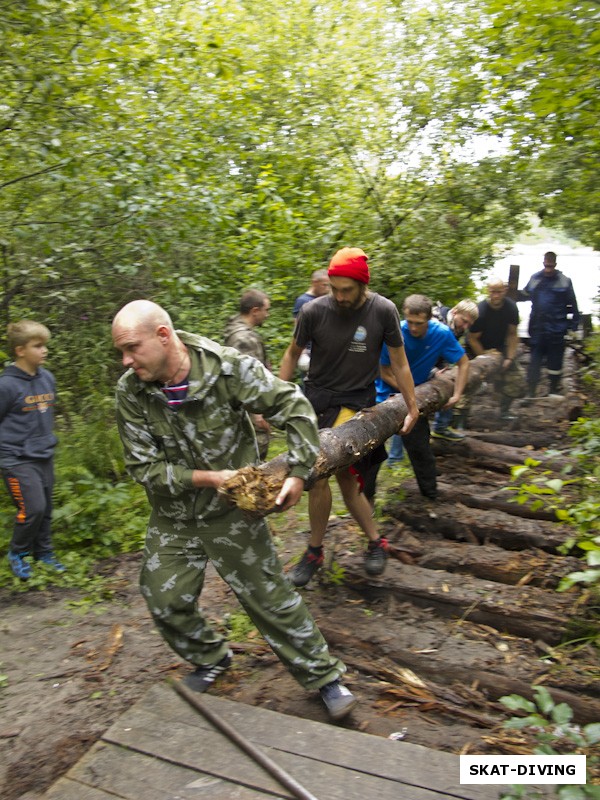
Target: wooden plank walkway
{"type": "Point", "coordinates": [163, 749]}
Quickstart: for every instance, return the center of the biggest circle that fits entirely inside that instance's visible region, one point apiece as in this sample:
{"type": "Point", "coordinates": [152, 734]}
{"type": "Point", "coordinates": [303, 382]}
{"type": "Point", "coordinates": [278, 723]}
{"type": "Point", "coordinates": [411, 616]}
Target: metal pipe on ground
{"type": "Point", "coordinates": [284, 778]}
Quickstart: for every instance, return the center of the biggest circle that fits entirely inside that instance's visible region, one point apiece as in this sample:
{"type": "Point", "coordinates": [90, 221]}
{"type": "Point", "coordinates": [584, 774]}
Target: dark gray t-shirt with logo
{"type": "Point", "coordinates": [346, 346]}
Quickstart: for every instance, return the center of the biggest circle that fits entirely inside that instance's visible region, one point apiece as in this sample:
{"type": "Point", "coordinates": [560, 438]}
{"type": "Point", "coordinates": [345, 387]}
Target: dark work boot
{"type": "Point", "coordinates": [554, 381]}
{"type": "Point", "coordinates": [505, 414]}
{"type": "Point", "coordinates": [459, 420]}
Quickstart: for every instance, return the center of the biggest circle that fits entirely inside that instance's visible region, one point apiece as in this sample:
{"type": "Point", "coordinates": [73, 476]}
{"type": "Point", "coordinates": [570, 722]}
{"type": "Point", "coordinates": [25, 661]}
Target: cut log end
{"type": "Point", "coordinates": [252, 490]}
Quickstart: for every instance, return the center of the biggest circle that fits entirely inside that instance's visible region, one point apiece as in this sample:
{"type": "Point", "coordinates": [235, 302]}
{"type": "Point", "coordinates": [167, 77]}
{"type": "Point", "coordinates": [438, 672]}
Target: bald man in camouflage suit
{"type": "Point", "coordinates": [183, 416]}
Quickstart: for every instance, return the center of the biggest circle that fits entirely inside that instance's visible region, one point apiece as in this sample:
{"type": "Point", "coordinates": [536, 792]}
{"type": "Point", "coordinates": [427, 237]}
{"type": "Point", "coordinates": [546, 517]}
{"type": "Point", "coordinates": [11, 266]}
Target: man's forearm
{"type": "Point", "coordinates": [288, 365]}
{"type": "Point", "coordinates": [476, 346]}
{"type": "Point", "coordinates": [403, 380]}
{"type": "Point", "coordinates": [461, 378]}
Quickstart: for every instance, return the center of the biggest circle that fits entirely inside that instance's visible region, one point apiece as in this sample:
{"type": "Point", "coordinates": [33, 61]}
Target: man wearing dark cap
{"type": "Point", "coordinates": [347, 330]}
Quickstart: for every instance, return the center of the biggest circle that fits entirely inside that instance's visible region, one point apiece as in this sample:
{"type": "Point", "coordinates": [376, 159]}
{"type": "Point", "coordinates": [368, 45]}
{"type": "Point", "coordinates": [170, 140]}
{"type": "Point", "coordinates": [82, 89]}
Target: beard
{"type": "Point", "coordinates": [348, 307]}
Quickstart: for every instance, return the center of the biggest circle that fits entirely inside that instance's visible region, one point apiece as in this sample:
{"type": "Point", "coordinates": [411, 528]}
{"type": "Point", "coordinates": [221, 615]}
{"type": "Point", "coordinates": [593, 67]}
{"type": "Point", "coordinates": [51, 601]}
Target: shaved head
{"type": "Point", "coordinates": [144, 333]}
{"type": "Point", "coordinates": [142, 314]}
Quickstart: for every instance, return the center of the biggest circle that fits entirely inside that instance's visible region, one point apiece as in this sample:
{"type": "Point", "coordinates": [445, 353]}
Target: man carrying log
{"type": "Point", "coordinates": [426, 341]}
{"type": "Point", "coordinates": [183, 410]}
{"type": "Point", "coordinates": [347, 330]}
{"type": "Point", "coordinates": [496, 329]}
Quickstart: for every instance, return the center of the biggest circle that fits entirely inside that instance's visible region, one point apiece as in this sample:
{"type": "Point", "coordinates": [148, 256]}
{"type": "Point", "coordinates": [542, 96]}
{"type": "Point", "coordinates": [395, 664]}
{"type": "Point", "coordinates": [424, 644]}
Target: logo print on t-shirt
{"type": "Point", "coordinates": [357, 345]}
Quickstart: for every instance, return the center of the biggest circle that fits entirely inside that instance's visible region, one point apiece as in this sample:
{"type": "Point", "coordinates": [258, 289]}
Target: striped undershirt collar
{"type": "Point", "coordinates": [176, 394]}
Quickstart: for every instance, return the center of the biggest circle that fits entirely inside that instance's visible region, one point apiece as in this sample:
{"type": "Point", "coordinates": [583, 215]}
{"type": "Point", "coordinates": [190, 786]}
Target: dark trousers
{"type": "Point", "coordinates": [550, 350]}
{"type": "Point", "coordinates": [30, 485]}
{"type": "Point", "coordinates": [416, 444]}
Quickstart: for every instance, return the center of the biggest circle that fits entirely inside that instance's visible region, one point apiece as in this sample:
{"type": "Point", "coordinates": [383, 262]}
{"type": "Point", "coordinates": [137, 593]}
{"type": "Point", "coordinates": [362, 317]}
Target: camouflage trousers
{"type": "Point", "coordinates": [241, 549]}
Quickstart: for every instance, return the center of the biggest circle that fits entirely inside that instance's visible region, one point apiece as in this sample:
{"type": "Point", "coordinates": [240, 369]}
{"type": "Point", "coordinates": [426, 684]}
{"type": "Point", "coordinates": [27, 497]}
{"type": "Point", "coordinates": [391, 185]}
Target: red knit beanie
{"type": "Point", "coordinates": [349, 262]}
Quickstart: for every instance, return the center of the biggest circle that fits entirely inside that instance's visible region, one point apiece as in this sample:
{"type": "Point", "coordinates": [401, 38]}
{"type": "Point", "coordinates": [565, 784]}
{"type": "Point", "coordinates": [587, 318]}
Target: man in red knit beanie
{"type": "Point", "coordinates": [346, 330]}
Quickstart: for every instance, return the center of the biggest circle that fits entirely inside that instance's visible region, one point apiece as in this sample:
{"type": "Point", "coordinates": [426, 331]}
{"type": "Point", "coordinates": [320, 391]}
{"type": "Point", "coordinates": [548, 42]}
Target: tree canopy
{"type": "Point", "coordinates": [184, 151]}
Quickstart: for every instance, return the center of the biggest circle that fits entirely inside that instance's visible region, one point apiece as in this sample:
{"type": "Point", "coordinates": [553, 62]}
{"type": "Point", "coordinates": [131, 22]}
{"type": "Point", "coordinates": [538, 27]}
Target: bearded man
{"type": "Point", "coordinates": [347, 329]}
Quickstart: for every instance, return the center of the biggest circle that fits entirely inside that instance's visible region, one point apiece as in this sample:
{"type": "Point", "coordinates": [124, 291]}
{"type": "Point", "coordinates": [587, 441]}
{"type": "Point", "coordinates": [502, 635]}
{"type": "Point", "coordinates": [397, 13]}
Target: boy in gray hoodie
{"type": "Point", "coordinates": [27, 442]}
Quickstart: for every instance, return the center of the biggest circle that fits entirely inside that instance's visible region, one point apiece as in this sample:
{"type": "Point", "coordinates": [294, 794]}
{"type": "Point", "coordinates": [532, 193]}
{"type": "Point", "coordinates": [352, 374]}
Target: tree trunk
{"type": "Point", "coordinates": [460, 523]}
{"type": "Point", "coordinates": [518, 610]}
{"type": "Point", "coordinates": [254, 489]}
{"type": "Point", "coordinates": [494, 684]}
{"type": "Point", "coordinates": [496, 457]}
{"type": "Point", "coordinates": [493, 563]}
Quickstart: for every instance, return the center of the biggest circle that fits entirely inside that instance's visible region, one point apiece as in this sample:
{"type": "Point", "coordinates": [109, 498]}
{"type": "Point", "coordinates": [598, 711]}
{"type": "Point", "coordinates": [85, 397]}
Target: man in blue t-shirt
{"type": "Point", "coordinates": [425, 341]}
{"type": "Point", "coordinates": [319, 286]}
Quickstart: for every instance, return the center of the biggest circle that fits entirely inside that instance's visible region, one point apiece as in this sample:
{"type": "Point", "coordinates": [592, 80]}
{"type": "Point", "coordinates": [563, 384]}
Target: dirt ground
{"type": "Point", "coordinates": [69, 669]}
{"type": "Point", "coordinates": [68, 674]}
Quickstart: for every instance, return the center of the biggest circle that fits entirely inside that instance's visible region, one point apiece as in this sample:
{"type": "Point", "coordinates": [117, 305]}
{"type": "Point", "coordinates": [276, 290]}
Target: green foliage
{"type": "Point", "coordinates": [540, 95]}
{"type": "Point", "coordinates": [185, 151]}
{"type": "Point", "coordinates": [239, 626]}
{"type": "Point", "coordinates": [335, 574]}
{"type": "Point", "coordinates": [98, 509]}
{"type": "Point", "coordinates": [554, 733]}
{"type": "Point", "coordinates": [541, 489]}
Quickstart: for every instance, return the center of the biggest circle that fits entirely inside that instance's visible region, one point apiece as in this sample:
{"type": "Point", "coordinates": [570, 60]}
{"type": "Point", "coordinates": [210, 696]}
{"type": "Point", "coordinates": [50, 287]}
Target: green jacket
{"type": "Point", "coordinates": [210, 430]}
{"type": "Point", "coordinates": [244, 338]}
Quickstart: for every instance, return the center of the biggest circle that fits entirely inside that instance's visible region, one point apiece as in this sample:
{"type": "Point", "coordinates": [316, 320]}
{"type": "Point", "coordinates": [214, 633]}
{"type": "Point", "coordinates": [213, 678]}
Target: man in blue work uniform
{"type": "Point", "coordinates": [553, 312]}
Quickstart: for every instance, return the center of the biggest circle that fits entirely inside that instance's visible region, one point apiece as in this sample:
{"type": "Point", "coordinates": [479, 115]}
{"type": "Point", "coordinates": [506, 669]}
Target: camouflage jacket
{"type": "Point", "coordinates": [210, 430]}
{"type": "Point", "coordinates": [246, 339]}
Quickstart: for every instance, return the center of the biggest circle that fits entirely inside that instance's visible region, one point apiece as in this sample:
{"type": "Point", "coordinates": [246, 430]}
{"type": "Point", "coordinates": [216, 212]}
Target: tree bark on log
{"type": "Point", "coordinates": [450, 494]}
{"type": "Point", "coordinates": [254, 488]}
{"type": "Point", "coordinates": [460, 523]}
{"type": "Point", "coordinates": [519, 610]}
{"type": "Point", "coordinates": [496, 457]}
{"type": "Point", "coordinates": [492, 563]}
{"type": "Point", "coordinates": [528, 439]}
{"type": "Point", "coordinates": [586, 708]}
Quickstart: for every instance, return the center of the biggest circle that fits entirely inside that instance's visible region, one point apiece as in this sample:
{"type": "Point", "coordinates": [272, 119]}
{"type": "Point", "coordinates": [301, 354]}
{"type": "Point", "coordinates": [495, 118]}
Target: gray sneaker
{"type": "Point", "coordinates": [338, 699]}
{"type": "Point", "coordinates": [301, 574]}
{"type": "Point", "coordinates": [449, 434]}
{"type": "Point", "coordinates": [376, 556]}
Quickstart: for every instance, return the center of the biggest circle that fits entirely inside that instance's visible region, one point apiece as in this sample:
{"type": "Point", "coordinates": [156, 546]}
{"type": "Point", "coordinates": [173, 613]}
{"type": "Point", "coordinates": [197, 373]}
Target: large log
{"type": "Point", "coordinates": [439, 668]}
{"type": "Point", "coordinates": [525, 611]}
{"type": "Point", "coordinates": [460, 523]}
{"type": "Point", "coordinates": [497, 457]}
{"type": "Point", "coordinates": [493, 500]}
{"type": "Point", "coordinates": [529, 439]}
{"type": "Point", "coordinates": [493, 563]}
{"type": "Point", "coordinates": [254, 489]}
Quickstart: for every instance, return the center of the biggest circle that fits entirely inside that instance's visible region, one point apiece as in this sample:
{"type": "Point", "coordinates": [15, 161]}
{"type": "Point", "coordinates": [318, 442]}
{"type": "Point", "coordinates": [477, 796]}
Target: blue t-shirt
{"type": "Point", "coordinates": [422, 354]}
{"type": "Point", "coordinates": [301, 301]}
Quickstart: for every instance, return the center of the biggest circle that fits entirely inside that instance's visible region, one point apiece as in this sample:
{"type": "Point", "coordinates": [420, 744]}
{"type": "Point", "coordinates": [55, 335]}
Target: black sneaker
{"type": "Point", "coordinates": [305, 568]}
{"type": "Point", "coordinates": [449, 434]}
{"type": "Point", "coordinates": [338, 699]}
{"type": "Point", "coordinates": [202, 677]}
{"type": "Point", "coordinates": [376, 556]}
